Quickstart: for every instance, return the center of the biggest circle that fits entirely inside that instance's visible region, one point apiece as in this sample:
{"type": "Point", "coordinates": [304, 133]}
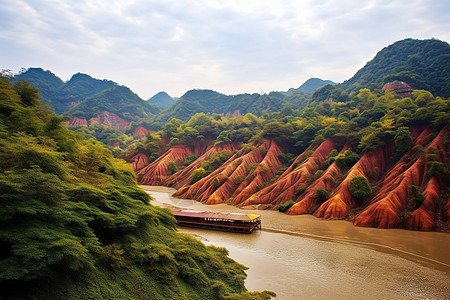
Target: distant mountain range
{"type": "Point", "coordinates": [424, 64]}
{"type": "Point", "coordinates": [311, 85]}
{"type": "Point", "coordinates": [162, 99]}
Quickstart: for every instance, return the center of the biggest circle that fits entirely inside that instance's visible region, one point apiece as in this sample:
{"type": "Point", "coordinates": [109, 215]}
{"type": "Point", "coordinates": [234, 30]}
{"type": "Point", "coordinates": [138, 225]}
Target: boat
{"type": "Point", "coordinates": [233, 222]}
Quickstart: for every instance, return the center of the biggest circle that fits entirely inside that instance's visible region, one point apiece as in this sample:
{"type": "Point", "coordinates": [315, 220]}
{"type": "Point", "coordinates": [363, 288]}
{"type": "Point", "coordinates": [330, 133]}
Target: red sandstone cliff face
{"type": "Point", "coordinates": [220, 185]}
{"type": "Point", "coordinates": [263, 173]}
{"type": "Point", "coordinates": [388, 207]}
{"type": "Point", "coordinates": [139, 161]}
{"type": "Point", "coordinates": [284, 188]}
{"type": "Point", "coordinates": [372, 165]}
{"type": "Point", "coordinates": [424, 217]}
{"type": "Point", "coordinates": [105, 118]}
{"type": "Point", "coordinates": [158, 171]}
{"type": "Point", "coordinates": [307, 202]}
{"type": "Point", "coordinates": [77, 122]}
{"type": "Point", "coordinates": [183, 177]}
{"type": "Point", "coordinates": [140, 131]}
{"type": "Point", "coordinates": [111, 119]}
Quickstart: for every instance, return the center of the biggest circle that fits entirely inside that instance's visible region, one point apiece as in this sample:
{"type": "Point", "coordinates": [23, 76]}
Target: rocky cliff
{"type": "Point", "coordinates": [407, 193]}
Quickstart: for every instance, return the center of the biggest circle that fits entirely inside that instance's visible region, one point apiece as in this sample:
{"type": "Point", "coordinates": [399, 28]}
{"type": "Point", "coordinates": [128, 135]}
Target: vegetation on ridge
{"type": "Point", "coordinates": [74, 224]}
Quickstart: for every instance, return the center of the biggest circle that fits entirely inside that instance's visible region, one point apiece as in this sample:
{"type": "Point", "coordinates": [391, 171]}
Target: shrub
{"type": "Point", "coordinates": [436, 168]}
{"type": "Point", "coordinates": [198, 174]}
{"type": "Point", "coordinates": [251, 168]}
{"type": "Point", "coordinates": [300, 188]}
{"type": "Point", "coordinates": [285, 206]}
{"type": "Point", "coordinates": [286, 158]}
{"type": "Point", "coordinates": [360, 188]}
{"type": "Point", "coordinates": [417, 197]}
{"type": "Point", "coordinates": [321, 195]}
{"type": "Point", "coordinates": [172, 167]}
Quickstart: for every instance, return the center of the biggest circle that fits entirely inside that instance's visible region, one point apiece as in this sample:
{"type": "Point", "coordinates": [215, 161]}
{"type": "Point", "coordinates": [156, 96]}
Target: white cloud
{"type": "Point", "coordinates": [231, 46]}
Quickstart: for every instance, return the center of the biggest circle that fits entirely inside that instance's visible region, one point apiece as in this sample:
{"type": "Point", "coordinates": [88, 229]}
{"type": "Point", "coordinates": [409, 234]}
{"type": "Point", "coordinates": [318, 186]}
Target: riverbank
{"type": "Point", "coordinates": [305, 257]}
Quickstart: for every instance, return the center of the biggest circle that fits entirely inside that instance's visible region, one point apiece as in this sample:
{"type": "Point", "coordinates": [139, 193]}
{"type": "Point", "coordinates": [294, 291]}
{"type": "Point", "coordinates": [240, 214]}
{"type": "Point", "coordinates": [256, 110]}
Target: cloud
{"type": "Point", "coordinates": [231, 46]}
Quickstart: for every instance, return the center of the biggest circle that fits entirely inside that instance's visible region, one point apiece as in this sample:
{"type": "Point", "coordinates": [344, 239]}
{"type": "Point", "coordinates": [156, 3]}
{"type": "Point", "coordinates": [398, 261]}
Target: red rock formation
{"type": "Point", "coordinates": [307, 203]}
{"type": "Point", "coordinates": [447, 212]}
{"type": "Point", "coordinates": [110, 119]}
{"type": "Point", "coordinates": [236, 113]}
{"type": "Point", "coordinates": [77, 122]}
{"type": "Point", "coordinates": [424, 217]}
{"type": "Point", "coordinates": [399, 87]}
{"type": "Point", "coordinates": [72, 103]}
{"type": "Point", "coordinates": [284, 188]}
{"type": "Point", "coordinates": [263, 173]}
{"type": "Point", "coordinates": [219, 186]}
{"type": "Point", "coordinates": [158, 171]}
{"type": "Point", "coordinates": [139, 161]}
{"type": "Point", "coordinates": [183, 177]}
{"type": "Point", "coordinates": [387, 208]}
{"type": "Point", "coordinates": [140, 131]}
{"type": "Point", "coordinates": [372, 165]}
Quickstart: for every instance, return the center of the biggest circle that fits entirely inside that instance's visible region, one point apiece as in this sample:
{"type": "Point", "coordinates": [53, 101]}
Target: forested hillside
{"type": "Point", "coordinates": [311, 85]}
{"type": "Point", "coordinates": [372, 157]}
{"type": "Point", "coordinates": [87, 99]}
{"type": "Point", "coordinates": [161, 99]}
{"type": "Point", "coordinates": [423, 64]}
{"type": "Point", "coordinates": [74, 224]}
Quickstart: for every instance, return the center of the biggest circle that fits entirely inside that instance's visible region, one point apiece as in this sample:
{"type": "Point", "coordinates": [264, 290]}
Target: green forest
{"type": "Point", "coordinates": [74, 224]}
{"type": "Point", "coordinates": [369, 119]}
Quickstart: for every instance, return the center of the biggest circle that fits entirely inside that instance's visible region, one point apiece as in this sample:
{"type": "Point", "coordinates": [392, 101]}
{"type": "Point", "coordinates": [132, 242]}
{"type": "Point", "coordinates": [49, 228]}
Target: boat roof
{"type": "Point", "coordinates": [214, 215]}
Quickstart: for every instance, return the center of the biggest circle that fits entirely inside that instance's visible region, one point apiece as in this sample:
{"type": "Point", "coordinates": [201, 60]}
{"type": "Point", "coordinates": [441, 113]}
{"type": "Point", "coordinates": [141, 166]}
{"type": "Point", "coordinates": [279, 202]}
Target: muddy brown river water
{"type": "Point", "coordinates": [302, 257]}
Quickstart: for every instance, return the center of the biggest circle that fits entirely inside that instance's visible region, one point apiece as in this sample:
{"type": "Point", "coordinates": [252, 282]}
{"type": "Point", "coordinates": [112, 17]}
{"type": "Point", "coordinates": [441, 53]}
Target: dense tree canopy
{"type": "Point", "coordinates": [74, 224]}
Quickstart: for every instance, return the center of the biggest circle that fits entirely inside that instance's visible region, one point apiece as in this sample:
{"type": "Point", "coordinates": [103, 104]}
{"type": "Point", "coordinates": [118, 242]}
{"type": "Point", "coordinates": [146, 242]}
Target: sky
{"type": "Point", "coordinates": [230, 46]}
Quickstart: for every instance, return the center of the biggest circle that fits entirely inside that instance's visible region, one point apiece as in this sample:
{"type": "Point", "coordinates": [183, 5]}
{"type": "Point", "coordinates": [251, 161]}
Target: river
{"type": "Point", "coordinates": [302, 257]}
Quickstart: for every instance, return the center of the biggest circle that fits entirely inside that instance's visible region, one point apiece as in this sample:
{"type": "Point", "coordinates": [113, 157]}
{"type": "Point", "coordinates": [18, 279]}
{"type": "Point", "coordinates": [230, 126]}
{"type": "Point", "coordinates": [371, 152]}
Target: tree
{"type": "Point", "coordinates": [321, 195]}
{"type": "Point", "coordinates": [28, 94]}
{"type": "Point", "coordinates": [360, 189]}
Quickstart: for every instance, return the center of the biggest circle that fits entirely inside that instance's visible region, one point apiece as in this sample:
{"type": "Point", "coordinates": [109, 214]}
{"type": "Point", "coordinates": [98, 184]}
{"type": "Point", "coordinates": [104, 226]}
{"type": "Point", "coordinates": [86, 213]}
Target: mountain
{"type": "Point", "coordinates": [88, 99]}
{"type": "Point", "coordinates": [208, 101]}
{"type": "Point", "coordinates": [63, 95]}
{"type": "Point", "coordinates": [311, 85]}
{"type": "Point", "coordinates": [47, 82]}
{"type": "Point", "coordinates": [423, 64]}
{"type": "Point", "coordinates": [75, 225]}
{"type": "Point", "coordinates": [162, 99]}
{"type": "Point", "coordinates": [119, 100]}
{"type": "Point", "coordinates": [80, 86]}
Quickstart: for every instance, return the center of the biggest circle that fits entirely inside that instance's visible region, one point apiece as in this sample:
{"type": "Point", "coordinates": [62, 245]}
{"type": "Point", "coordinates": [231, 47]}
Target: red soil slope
{"type": "Point", "coordinates": [220, 185]}
{"type": "Point", "coordinates": [110, 119]}
{"type": "Point", "coordinates": [158, 171]}
{"type": "Point", "coordinates": [424, 217]}
{"type": "Point", "coordinates": [307, 203]}
{"type": "Point", "coordinates": [284, 188]}
{"type": "Point", "coordinates": [140, 131]}
{"type": "Point", "coordinates": [183, 177]}
{"type": "Point", "coordinates": [263, 173]}
{"type": "Point", "coordinates": [372, 165]}
{"type": "Point", "coordinates": [139, 161]}
{"type": "Point", "coordinates": [106, 118]}
{"type": "Point", "coordinates": [76, 122]}
{"type": "Point", "coordinates": [388, 207]}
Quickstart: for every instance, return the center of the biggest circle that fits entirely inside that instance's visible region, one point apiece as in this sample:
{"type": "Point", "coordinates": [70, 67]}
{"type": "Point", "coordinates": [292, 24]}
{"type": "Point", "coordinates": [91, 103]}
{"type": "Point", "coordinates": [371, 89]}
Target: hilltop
{"type": "Point", "coordinates": [423, 64]}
